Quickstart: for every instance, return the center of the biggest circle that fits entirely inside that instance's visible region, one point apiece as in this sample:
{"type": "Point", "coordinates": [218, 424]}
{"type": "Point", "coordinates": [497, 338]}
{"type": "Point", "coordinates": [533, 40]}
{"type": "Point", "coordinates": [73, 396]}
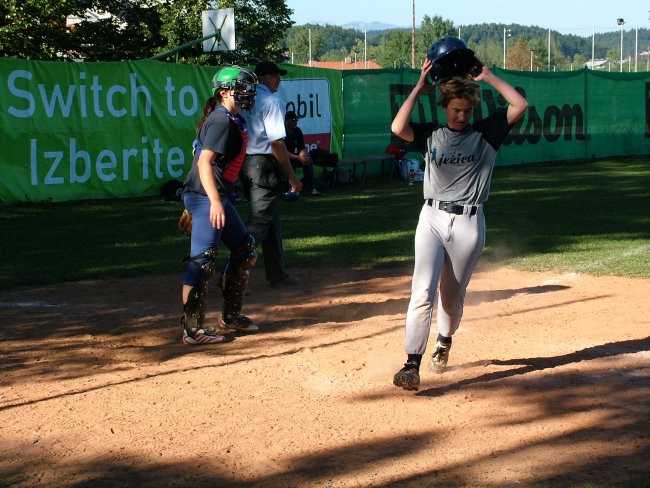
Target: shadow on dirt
{"type": "Point", "coordinates": [529, 365]}
{"type": "Point", "coordinates": [64, 333]}
{"type": "Point", "coordinates": [86, 328]}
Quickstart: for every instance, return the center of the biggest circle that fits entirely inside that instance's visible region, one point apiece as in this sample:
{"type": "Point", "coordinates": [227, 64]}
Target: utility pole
{"type": "Point", "coordinates": [365, 49]}
{"type": "Point", "coordinates": [413, 38]}
{"type": "Point", "coordinates": [505, 32]}
{"type": "Point", "coordinates": [548, 62]}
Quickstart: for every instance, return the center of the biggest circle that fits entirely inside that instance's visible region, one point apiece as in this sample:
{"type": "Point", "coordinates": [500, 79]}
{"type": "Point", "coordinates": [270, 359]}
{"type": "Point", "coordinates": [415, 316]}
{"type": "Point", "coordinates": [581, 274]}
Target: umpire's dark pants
{"type": "Point", "coordinates": [261, 179]}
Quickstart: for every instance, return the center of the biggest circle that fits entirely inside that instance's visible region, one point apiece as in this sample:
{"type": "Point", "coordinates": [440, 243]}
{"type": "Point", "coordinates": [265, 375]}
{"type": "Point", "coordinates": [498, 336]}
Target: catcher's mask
{"type": "Point", "coordinates": [240, 81]}
{"type": "Point", "coordinates": [450, 56]}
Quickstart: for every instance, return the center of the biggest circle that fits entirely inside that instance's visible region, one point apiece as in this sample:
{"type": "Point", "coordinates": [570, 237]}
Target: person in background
{"type": "Point", "coordinates": [450, 234]}
{"type": "Point", "coordinates": [298, 153]}
{"type": "Point", "coordinates": [219, 150]}
{"type": "Point", "coordinates": [264, 172]}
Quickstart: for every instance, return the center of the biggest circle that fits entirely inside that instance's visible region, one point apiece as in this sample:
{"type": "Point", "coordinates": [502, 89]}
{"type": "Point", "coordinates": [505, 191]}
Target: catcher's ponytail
{"type": "Point", "coordinates": [210, 105]}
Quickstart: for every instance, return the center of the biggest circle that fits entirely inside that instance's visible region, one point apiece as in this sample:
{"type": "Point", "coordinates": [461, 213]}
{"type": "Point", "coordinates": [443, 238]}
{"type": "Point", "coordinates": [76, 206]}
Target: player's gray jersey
{"type": "Point", "coordinates": [459, 164]}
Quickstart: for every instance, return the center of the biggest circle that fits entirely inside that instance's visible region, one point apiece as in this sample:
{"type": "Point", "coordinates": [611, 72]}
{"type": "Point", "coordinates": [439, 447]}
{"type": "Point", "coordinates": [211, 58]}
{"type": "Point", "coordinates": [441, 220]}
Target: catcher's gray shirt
{"type": "Point", "coordinates": [459, 163]}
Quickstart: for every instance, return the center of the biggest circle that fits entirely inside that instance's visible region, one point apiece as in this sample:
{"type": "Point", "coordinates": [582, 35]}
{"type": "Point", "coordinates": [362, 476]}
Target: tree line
{"type": "Point", "coordinates": [140, 29]}
{"type": "Point", "coordinates": [527, 47]}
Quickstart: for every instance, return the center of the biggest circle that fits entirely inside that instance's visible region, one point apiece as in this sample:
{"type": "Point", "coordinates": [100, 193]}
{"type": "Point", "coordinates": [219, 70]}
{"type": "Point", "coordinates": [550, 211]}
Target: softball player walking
{"type": "Point", "coordinates": [450, 234]}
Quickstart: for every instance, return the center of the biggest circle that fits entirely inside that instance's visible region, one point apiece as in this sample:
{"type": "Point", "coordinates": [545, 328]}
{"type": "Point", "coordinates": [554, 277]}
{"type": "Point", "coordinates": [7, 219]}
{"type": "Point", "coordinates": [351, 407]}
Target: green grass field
{"type": "Point", "coordinates": [568, 217]}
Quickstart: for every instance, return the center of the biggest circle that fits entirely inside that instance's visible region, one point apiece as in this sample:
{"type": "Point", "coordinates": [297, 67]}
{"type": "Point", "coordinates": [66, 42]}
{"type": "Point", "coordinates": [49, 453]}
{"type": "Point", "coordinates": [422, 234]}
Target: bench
{"type": "Point", "coordinates": [363, 162]}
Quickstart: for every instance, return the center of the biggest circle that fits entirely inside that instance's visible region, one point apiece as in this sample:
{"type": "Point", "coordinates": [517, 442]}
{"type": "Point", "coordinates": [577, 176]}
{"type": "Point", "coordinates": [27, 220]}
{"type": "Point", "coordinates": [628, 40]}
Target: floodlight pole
{"type": "Point", "coordinates": [532, 51]}
{"type": "Point", "coordinates": [593, 45]}
{"type": "Point", "coordinates": [504, 45]}
{"type": "Point", "coordinates": [548, 62]}
{"type": "Point", "coordinates": [636, 50]}
{"type": "Point", "coordinates": [621, 22]}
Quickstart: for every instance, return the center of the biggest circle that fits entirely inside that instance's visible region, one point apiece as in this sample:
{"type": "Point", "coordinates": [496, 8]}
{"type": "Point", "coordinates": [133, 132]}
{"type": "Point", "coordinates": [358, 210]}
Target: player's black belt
{"type": "Point", "coordinates": [260, 156]}
{"type": "Point", "coordinates": [451, 207]}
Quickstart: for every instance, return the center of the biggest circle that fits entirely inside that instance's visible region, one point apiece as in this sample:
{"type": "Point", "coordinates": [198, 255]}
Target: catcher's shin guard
{"type": "Point", "coordinates": [234, 279]}
{"type": "Point", "coordinates": [194, 309]}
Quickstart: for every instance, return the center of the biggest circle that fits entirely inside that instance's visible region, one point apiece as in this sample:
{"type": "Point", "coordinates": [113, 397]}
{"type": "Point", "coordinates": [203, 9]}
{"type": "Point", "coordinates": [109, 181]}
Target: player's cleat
{"type": "Point", "coordinates": [241, 324]}
{"type": "Point", "coordinates": [440, 357]}
{"type": "Point", "coordinates": [208, 335]}
{"type": "Point", "coordinates": [408, 377]}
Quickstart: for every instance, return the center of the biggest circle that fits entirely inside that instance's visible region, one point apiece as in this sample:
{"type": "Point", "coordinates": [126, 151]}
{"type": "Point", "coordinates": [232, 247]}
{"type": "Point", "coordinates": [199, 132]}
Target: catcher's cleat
{"type": "Point", "coordinates": [241, 324]}
{"type": "Point", "coordinates": [408, 377]}
{"type": "Point", "coordinates": [209, 335]}
{"type": "Point", "coordinates": [440, 357]}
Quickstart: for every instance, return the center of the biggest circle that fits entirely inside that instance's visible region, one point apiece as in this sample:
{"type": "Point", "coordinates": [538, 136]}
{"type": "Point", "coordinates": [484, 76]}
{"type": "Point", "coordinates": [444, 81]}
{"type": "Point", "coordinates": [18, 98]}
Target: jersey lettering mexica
{"type": "Point", "coordinates": [459, 164]}
{"type": "Point", "coordinates": [225, 134]}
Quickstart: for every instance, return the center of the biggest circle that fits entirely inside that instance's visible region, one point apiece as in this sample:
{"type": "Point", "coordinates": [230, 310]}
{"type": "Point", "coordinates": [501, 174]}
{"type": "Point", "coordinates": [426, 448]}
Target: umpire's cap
{"type": "Point", "coordinates": [269, 68]}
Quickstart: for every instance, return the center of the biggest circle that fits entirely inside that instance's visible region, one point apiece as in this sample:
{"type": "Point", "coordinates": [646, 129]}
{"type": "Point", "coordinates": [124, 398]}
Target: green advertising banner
{"type": "Point", "coordinates": [101, 130]}
{"type": "Point", "coordinates": [96, 130]}
{"type": "Point", "coordinates": [75, 131]}
{"type": "Point", "coordinates": [581, 114]}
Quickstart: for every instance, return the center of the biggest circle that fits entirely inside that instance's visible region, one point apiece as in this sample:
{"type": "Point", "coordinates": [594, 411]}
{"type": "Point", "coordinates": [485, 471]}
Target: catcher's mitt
{"type": "Point", "coordinates": [185, 223]}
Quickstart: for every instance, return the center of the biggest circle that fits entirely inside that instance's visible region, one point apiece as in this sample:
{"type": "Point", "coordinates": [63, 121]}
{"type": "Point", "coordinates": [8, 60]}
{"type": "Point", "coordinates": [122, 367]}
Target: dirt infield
{"type": "Point", "coordinates": [548, 385]}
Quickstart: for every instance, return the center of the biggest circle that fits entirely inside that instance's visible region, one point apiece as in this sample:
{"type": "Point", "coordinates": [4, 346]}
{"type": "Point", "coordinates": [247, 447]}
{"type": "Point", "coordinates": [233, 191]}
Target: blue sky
{"type": "Point", "coordinates": [579, 17]}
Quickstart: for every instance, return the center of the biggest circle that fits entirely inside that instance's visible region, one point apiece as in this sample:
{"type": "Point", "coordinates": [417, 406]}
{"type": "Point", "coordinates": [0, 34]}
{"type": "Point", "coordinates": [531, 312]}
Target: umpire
{"type": "Point", "coordinates": [264, 173]}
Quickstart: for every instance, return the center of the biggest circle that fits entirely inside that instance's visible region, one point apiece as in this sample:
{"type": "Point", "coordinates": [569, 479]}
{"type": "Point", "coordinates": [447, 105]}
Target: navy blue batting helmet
{"type": "Point", "coordinates": [450, 56]}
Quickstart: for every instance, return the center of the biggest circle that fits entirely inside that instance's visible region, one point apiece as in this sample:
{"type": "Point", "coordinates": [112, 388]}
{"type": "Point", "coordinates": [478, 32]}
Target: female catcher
{"type": "Point", "coordinates": [450, 233]}
{"type": "Point", "coordinates": [220, 147]}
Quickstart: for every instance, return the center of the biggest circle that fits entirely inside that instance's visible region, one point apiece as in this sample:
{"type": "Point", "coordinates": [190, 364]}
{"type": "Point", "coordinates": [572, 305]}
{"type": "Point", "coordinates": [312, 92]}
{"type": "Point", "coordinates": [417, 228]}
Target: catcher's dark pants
{"type": "Point", "coordinates": [204, 236]}
{"type": "Point", "coordinates": [261, 179]}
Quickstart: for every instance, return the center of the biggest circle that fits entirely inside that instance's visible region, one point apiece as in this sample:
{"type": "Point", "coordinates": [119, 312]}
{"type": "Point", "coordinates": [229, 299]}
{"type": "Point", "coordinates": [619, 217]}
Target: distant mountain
{"type": "Point", "coordinates": [359, 26]}
{"type": "Point", "coordinates": [370, 26]}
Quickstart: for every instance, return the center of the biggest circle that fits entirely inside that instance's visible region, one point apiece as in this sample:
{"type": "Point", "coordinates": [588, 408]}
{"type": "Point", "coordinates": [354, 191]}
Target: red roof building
{"type": "Point", "coordinates": [347, 63]}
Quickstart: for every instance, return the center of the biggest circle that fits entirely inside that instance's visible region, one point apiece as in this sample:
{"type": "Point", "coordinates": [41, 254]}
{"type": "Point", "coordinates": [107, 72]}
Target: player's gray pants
{"type": "Point", "coordinates": [447, 249]}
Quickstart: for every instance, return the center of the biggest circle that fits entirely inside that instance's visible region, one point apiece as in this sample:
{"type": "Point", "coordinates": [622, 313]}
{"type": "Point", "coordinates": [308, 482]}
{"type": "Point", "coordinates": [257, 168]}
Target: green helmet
{"type": "Point", "coordinates": [241, 81]}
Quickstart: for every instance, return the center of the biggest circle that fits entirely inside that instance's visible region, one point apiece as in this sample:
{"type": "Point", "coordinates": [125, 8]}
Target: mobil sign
{"type": "Point", "coordinates": [310, 99]}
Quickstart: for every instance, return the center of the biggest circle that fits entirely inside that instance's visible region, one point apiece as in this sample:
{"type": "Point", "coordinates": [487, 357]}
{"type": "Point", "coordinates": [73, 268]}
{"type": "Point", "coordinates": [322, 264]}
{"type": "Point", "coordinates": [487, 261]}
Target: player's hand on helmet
{"type": "Point", "coordinates": [483, 73]}
{"type": "Point", "coordinates": [423, 83]}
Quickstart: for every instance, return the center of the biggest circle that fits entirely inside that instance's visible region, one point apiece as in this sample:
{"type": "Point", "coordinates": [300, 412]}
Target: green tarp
{"type": "Point", "coordinates": [572, 115]}
{"type": "Point", "coordinates": [101, 130]}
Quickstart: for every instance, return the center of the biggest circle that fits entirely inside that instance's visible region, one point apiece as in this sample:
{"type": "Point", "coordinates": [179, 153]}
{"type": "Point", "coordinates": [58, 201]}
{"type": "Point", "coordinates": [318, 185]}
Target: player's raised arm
{"type": "Point", "coordinates": [401, 123]}
{"type": "Point", "coordinates": [517, 103]}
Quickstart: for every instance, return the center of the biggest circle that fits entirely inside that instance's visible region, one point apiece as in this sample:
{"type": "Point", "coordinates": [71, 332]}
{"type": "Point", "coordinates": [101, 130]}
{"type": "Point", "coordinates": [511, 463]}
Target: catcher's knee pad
{"type": "Point", "coordinates": [245, 256]}
{"type": "Point", "coordinates": [194, 308]}
{"type": "Point", "coordinates": [235, 278]}
{"type": "Point", "coordinates": [207, 266]}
